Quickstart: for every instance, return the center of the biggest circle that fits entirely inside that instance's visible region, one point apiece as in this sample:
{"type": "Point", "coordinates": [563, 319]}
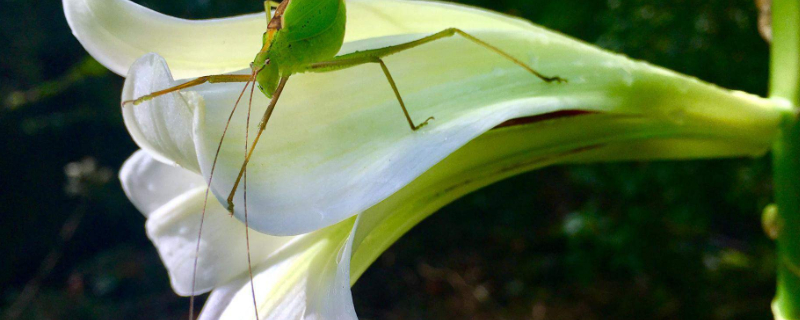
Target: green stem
{"type": "Point", "coordinates": [786, 153]}
{"type": "Point", "coordinates": [785, 85]}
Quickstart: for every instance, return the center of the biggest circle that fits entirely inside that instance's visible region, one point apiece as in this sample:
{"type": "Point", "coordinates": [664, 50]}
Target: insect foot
{"type": "Point", "coordinates": [557, 79]}
{"type": "Point", "coordinates": [135, 101]}
{"type": "Point", "coordinates": [230, 207]}
{"type": "Point", "coordinates": [424, 123]}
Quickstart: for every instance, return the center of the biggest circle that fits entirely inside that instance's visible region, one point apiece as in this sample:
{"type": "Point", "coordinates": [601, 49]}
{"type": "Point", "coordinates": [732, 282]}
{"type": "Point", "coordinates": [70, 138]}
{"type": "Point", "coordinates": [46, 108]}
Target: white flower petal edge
{"type": "Point", "coordinates": [172, 199]}
{"type": "Point", "coordinates": [165, 128]}
{"type": "Point", "coordinates": [514, 150]}
{"type": "Point", "coordinates": [337, 143]}
{"type": "Point", "coordinates": [117, 32]}
{"type": "Point", "coordinates": [150, 184]}
{"type": "Point", "coordinates": [305, 278]}
{"type": "Point", "coordinates": [308, 279]}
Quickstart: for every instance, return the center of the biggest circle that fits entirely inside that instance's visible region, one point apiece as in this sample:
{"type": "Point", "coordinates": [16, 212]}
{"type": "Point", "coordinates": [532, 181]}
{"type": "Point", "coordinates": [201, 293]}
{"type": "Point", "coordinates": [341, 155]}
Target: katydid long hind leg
{"type": "Point", "coordinates": [504, 54]}
{"type": "Point", "coordinates": [375, 55]}
{"type": "Point", "coordinates": [218, 78]}
{"type": "Point", "coordinates": [400, 98]}
{"type": "Point", "coordinates": [261, 126]}
{"type": "Point", "coordinates": [344, 62]}
{"type": "Point", "coordinates": [383, 52]}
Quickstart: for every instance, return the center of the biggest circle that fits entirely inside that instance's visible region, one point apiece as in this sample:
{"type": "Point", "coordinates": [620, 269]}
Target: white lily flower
{"type": "Point", "coordinates": [337, 146]}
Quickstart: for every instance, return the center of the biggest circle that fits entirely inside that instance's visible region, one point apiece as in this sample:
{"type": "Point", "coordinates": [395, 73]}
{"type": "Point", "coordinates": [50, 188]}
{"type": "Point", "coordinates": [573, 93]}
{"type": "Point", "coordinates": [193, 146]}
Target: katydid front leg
{"type": "Point", "coordinates": [219, 78]}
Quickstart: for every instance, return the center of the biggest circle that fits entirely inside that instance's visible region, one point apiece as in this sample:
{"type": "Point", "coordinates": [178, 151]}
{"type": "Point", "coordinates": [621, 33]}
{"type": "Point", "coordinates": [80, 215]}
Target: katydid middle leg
{"type": "Point", "coordinates": [261, 126]}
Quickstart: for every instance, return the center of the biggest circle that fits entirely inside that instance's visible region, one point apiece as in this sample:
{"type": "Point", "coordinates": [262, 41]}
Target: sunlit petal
{"type": "Point", "coordinates": [338, 144]}
{"type": "Point", "coordinates": [506, 152]}
{"type": "Point", "coordinates": [150, 184]}
{"type": "Point", "coordinates": [117, 32]}
{"type": "Point", "coordinates": [164, 127]}
{"type": "Point", "coordinates": [304, 278]}
{"type": "Point", "coordinates": [308, 279]}
{"type": "Point", "coordinates": [173, 226]}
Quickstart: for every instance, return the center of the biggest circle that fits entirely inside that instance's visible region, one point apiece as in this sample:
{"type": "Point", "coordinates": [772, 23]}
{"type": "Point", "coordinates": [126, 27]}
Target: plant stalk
{"type": "Point", "coordinates": [785, 86]}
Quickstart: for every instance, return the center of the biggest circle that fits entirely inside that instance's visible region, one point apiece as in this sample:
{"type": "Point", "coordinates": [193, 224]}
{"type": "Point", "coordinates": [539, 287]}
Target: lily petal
{"type": "Point", "coordinates": [506, 152]}
{"type": "Point", "coordinates": [165, 128]}
{"type": "Point", "coordinates": [338, 147]}
{"type": "Point", "coordinates": [173, 226]}
{"type": "Point", "coordinates": [307, 279]}
{"type": "Point", "coordinates": [150, 184]}
{"type": "Point", "coordinates": [337, 143]}
{"type": "Point", "coordinates": [117, 32]}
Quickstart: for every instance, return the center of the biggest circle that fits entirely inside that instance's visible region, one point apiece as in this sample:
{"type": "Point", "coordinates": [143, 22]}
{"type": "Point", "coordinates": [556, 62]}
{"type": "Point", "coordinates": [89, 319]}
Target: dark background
{"type": "Point", "coordinates": [655, 240]}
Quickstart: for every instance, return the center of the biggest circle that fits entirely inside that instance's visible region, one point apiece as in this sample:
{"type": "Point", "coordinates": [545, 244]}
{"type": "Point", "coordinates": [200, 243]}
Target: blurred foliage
{"type": "Point", "coordinates": [659, 240]}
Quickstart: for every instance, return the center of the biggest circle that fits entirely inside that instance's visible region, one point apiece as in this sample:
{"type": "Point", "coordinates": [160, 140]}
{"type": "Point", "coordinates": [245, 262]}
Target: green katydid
{"type": "Point", "coordinates": [305, 36]}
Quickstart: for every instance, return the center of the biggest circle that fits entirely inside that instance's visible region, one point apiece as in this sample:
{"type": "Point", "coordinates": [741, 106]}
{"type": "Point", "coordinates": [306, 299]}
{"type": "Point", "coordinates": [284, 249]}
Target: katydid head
{"type": "Point", "coordinates": [267, 77]}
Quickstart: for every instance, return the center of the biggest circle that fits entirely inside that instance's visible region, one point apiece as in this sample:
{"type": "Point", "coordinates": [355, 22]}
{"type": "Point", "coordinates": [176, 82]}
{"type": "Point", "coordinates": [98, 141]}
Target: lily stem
{"type": "Point", "coordinates": [785, 85]}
